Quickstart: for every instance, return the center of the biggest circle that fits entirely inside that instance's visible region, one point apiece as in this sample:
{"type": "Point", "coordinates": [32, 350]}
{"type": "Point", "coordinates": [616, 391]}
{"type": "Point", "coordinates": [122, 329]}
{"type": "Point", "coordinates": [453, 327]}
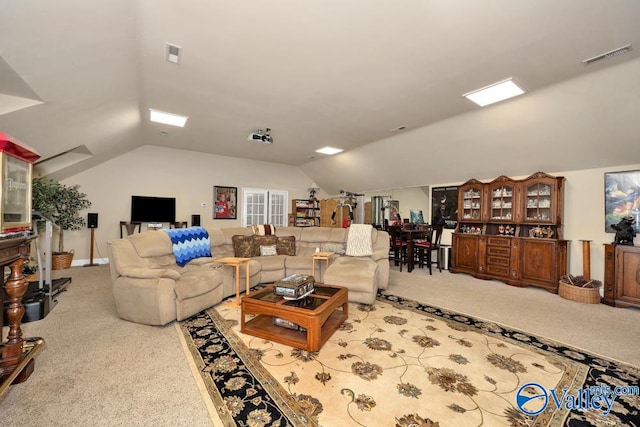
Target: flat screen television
{"type": "Point", "coordinates": [153, 209]}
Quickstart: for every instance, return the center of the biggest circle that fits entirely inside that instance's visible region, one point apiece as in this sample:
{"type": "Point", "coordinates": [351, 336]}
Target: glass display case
{"type": "Point", "coordinates": [538, 202]}
{"type": "Point", "coordinates": [16, 160]}
{"type": "Point", "coordinates": [502, 195]}
{"type": "Point", "coordinates": [471, 201]}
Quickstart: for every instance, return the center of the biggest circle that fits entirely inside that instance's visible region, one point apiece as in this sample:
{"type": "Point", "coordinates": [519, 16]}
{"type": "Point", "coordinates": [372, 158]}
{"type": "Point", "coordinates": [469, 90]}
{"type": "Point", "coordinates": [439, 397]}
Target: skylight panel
{"type": "Point", "coordinates": [167, 118]}
{"type": "Point", "coordinates": [495, 93]}
{"type": "Point", "coordinates": [329, 150]}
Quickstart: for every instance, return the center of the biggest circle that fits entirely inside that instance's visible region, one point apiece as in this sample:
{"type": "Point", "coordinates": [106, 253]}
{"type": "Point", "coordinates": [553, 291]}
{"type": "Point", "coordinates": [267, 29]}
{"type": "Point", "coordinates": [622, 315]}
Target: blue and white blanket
{"type": "Point", "coordinates": [189, 243]}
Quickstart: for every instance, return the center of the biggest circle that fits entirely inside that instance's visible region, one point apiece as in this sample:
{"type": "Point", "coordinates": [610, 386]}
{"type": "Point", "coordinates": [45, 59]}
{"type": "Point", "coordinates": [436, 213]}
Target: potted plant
{"type": "Point", "coordinates": [62, 204]}
{"type": "Point", "coordinates": [30, 270]}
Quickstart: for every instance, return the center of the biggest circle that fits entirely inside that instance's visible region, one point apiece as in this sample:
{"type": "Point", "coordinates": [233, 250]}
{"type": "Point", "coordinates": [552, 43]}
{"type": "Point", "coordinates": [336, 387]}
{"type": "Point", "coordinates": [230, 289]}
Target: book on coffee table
{"type": "Point", "coordinates": [283, 323]}
{"type": "Point", "coordinates": [294, 286]}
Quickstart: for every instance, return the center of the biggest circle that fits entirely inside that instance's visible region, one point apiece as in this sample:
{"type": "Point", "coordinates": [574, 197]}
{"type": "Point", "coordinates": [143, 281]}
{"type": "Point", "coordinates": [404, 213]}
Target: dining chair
{"type": "Point", "coordinates": [425, 249]}
{"type": "Point", "coordinates": [130, 227]}
{"type": "Point", "coordinates": [179, 224]}
{"type": "Point", "coordinates": [397, 246]}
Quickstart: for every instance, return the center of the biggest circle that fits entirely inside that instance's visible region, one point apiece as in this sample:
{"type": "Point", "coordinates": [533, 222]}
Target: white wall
{"type": "Point", "coordinates": [163, 172]}
{"type": "Point", "coordinates": [190, 177]}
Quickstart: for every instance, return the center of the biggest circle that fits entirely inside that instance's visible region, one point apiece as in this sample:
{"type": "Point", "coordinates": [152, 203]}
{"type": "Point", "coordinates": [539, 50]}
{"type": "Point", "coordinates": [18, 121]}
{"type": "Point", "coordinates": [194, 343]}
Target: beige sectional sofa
{"type": "Point", "coordinates": [150, 288]}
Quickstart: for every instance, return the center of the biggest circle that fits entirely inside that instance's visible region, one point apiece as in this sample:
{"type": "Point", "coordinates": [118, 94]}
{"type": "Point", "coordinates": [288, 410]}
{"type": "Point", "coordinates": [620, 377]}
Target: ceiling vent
{"type": "Point", "coordinates": [614, 52]}
{"type": "Point", "coordinates": [174, 53]}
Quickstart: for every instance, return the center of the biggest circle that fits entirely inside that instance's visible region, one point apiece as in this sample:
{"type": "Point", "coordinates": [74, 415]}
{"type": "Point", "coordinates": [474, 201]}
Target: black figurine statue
{"type": "Point", "coordinates": [624, 231]}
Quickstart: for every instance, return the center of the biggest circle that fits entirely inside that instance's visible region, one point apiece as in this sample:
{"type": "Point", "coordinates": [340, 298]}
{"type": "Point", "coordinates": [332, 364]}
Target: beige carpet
{"type": "Point", "coordinates": [99, 370]}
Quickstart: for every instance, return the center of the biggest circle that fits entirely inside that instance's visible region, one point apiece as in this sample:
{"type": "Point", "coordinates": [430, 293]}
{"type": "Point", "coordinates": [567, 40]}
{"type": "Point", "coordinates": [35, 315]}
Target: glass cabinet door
{"type": "Point", "coordinates": [472, 203]}
{"type": "Point", "coordinates": [502, 202]}
{"type": "Point", "coordinates": [539, 206]}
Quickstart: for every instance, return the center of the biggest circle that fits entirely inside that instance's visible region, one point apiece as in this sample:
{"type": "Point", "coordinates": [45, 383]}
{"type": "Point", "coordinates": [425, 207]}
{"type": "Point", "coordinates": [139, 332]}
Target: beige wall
{"type": "Point", "coordinates": [163, 172]}
{"type": "Point", "coordinates": [190, 177]}
{"type": "Point", "coordinates": [583, 212]}
{"type": "Point", "coordinates": [410, 198]}
{"type": "Point", "coordinates": [583, 215]}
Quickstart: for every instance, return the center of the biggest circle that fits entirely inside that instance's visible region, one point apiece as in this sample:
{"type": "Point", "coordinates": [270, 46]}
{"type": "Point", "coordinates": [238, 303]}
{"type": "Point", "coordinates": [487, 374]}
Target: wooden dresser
{"type": "Point", "coordinates": [621, 275]}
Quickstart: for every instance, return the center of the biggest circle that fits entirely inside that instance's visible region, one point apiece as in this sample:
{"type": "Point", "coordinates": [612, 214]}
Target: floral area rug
{"type": "Point", "coordinates": [403, 363]}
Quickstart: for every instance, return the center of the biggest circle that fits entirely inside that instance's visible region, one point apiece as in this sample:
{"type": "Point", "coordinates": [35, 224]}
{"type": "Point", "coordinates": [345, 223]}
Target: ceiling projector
{"type": "Point", "coordinates": [261, 136]}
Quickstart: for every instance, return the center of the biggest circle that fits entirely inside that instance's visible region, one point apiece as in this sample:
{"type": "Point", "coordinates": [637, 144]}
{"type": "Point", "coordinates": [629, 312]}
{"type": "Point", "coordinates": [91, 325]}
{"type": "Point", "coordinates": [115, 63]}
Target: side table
{"type": "Point", "coordinates": [237, 262]}
{"type": "Point", "coordinates": [320, 256]}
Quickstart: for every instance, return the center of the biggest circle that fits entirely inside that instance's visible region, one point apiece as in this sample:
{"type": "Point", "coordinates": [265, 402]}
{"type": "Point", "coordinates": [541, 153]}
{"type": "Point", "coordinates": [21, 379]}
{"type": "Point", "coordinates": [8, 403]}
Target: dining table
{"type": "Point", "coordinates": [410, 234]}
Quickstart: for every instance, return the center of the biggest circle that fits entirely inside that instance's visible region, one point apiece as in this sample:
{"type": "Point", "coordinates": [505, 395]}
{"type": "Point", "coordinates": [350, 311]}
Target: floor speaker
{"type": "Point", "coordinates": [195, 220]}
{"type": "Point", "coordinates": [92, 220]}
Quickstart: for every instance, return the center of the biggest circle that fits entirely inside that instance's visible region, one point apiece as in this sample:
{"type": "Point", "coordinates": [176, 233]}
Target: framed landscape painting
{"type": "Point", "coordinates": [225, 202]}
{"type": "Point", "coordinates": [621, 198]}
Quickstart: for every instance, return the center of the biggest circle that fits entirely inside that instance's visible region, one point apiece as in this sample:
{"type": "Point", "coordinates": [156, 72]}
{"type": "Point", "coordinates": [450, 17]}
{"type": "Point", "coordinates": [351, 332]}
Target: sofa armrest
{"type": "Point", "coordinates": [380, 255]}
{"type": "Point", "coordinates": [150, 273]}
{"type": "Point", "coordinates": [206, 262]}
{"type": "Point", "coordinates": [201, 261]}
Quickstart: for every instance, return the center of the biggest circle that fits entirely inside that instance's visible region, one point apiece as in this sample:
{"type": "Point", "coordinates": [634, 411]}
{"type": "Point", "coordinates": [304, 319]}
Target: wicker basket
{"type": "Point", "coordinates": [61, 261]}
{"type": "Point", "coordinates": [576, 293]}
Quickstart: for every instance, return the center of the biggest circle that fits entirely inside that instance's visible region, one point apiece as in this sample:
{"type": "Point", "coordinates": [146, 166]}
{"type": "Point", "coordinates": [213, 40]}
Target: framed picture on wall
{"type": "Point", "coordinates": [225, 202]}
{"type": "Point", "coordinates": [394, 211]}
{"type": "Point", "coordinates": [444, 206]}
{"type": "Point", "coordinates": [621, 198]}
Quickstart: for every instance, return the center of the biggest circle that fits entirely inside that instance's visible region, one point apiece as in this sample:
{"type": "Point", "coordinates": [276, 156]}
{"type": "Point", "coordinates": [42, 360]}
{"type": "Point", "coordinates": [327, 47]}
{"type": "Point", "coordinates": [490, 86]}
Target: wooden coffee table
{"type": "Point", "coordinates": [328, 308]}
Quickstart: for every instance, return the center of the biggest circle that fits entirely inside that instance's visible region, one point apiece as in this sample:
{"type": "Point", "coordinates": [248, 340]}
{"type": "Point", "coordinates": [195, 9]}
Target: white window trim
{"type": "Point", "coordinates": [267, 217]}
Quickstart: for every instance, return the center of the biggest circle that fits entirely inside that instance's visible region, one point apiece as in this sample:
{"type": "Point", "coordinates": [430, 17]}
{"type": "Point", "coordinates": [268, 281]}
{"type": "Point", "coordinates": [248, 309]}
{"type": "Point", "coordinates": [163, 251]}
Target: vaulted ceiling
{"type": "Point", "coordinates": [82, 75]}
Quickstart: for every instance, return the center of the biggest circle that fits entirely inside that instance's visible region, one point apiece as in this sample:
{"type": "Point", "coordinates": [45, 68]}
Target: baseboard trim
{"type": "Point", "coordinates": [83, 262]}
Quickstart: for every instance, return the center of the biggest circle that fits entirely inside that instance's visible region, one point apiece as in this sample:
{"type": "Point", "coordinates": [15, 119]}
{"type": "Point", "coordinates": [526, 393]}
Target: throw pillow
{"type": "Point", "coordinates": [262, 241]}
{"type": "Point", "coordinates": [337, 248]}
{"type": "Point", "coordinates": [286, 245]}
{"type": "Point", "coordinates": [242, 246]}
{"type": "Point", "coordinates": [264, 229]}
{"type": "Point", "coordinates": [268, 250]}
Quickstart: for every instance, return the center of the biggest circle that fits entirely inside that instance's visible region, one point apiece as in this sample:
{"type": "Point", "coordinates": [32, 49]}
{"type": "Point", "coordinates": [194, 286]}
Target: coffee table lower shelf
{"type": "Point", "coordinates": [262, 326]}
{"type": "Point", "coordinates": [325, 309]}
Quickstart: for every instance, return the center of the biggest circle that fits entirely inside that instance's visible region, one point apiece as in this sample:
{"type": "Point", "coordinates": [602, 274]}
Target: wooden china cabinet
{"type": "Point", "coordinates": [511, 230]}
{"type": "Point", "coordinates": [621, 275]}
{"type": "Point", "coordinates": [471, 217]}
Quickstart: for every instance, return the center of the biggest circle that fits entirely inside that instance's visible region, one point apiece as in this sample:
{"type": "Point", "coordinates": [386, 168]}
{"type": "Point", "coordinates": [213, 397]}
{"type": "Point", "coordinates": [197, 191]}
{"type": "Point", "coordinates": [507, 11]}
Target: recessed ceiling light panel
{"type": "Point", "coordinates": [495, 93]}
{"type": "Point", "coordinates": [329, 150]}
{"type": "Point", "coordinates": [167, 118]}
